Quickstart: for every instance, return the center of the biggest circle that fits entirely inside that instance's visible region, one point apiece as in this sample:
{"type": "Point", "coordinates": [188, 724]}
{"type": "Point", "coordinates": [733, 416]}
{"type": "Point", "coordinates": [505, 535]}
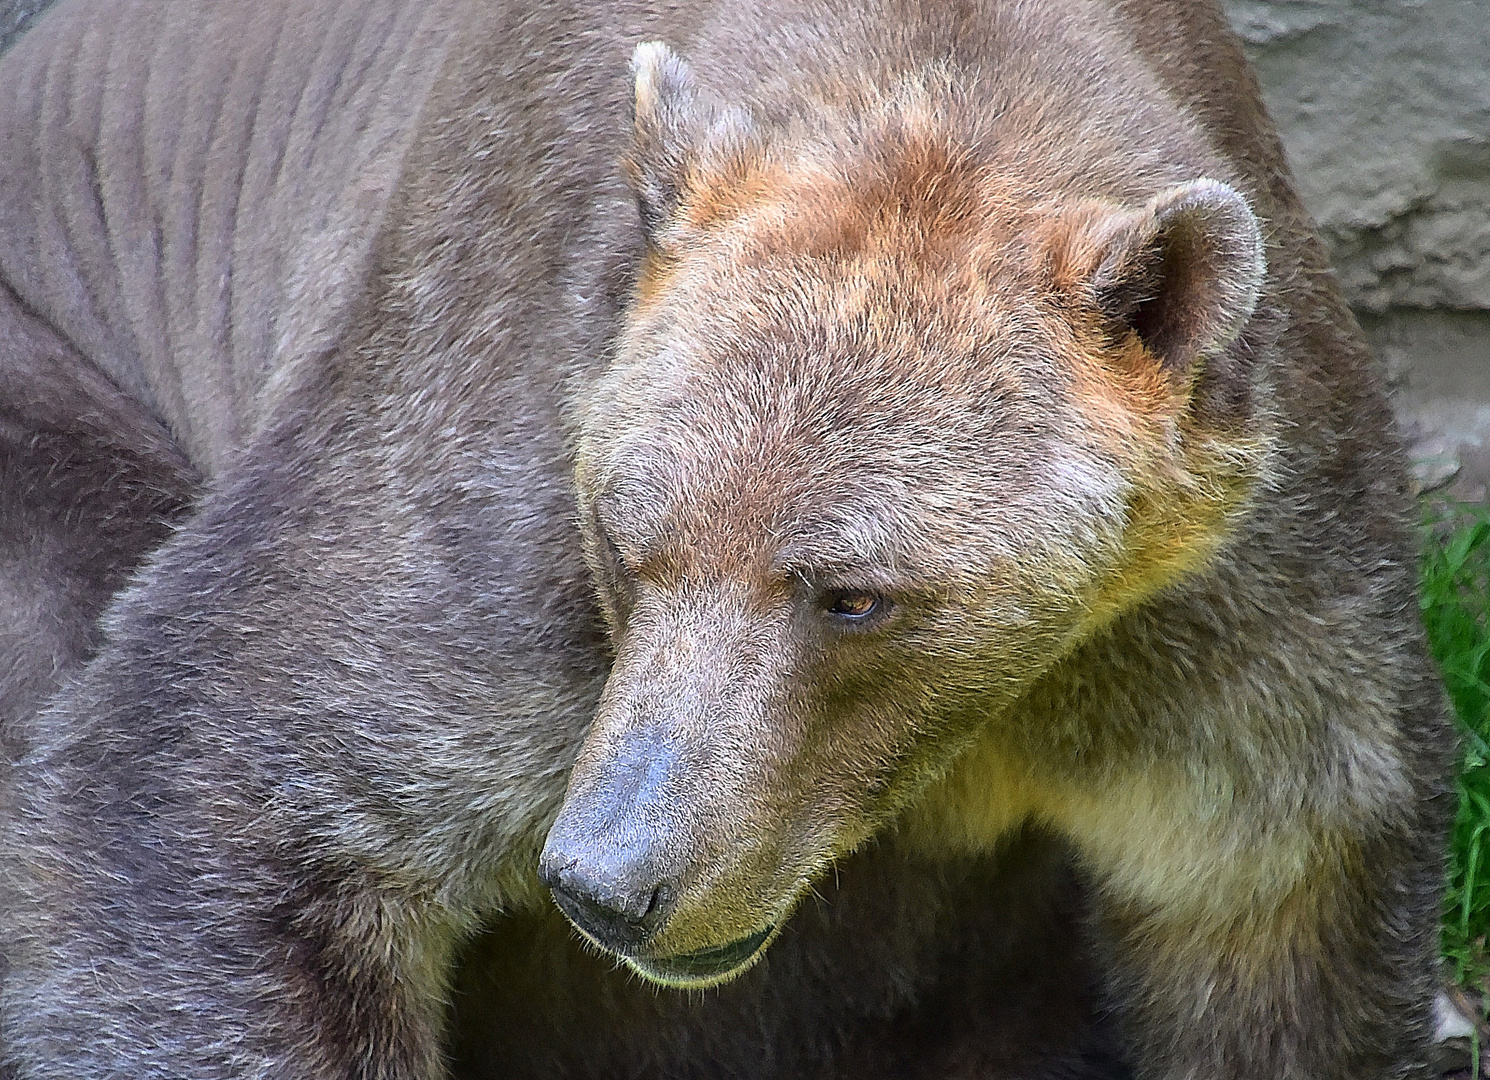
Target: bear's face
{"type": "Point", "coordinates": [872, 456]}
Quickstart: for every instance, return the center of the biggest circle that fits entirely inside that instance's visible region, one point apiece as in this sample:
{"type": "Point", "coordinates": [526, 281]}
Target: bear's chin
{"type": "Point", "coordinates": [703, 967]}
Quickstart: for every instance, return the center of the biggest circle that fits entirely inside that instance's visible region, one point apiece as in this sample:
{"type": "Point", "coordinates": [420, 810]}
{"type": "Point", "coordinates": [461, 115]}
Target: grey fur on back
{"type": "Point", "coordinates": [193, 191]}
{"type": "Point", "coordinates": [205, 182]}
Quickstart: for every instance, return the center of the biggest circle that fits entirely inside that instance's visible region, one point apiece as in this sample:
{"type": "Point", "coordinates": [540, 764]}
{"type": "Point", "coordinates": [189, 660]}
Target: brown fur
{"type": "Point", "coordinates": [1003, 314]}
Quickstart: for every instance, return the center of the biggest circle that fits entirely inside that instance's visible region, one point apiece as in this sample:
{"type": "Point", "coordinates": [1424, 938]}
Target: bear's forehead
{"type": "Point", "coordinates": [799, 404]}
{"type": "Point", "coordinates": [823, 474]}
{"type": "Point", "coordinates": [866, 366]}
{"type": "Point", "coordinates": [863, 357]}
{"type": "Point", "coordinates": [943, 519]}
{"type": "Point", "coordinates": [876, 329]}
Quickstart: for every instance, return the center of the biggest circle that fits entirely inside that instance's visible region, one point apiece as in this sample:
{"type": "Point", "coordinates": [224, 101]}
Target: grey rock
{"type": "Point", "coordinates": [1384, 107]}
{"type": "Point", "coordinates": [1439, 363]}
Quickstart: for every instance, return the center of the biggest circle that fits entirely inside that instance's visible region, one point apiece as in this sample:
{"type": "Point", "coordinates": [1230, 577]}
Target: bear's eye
{"type": "Point", "coordinates": [853, 605]}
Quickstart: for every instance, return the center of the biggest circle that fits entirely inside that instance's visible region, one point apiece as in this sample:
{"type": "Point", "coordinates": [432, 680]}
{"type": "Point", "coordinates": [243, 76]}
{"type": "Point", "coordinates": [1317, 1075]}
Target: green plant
{"type": "Point", "coordinates": [1456, 613]}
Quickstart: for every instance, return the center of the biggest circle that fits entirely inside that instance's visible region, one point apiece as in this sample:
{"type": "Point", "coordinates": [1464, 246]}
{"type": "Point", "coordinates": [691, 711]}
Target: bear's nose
{"type": "Point", "coordinates": [620, 917]}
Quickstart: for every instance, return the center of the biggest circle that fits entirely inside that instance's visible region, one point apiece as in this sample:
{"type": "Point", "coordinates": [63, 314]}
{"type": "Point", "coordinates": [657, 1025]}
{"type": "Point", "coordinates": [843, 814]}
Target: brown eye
{"type": "Point", "coordinates": [854, 606]}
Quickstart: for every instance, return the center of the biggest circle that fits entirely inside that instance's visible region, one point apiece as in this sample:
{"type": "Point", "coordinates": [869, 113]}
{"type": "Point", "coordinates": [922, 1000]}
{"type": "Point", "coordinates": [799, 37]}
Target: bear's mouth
{"type": "Point", "coordinates": [703, 967]}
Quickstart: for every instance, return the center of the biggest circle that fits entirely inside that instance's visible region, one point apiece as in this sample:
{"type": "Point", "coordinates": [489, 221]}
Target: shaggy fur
{"type": "Point", "coordinates": [319, 322]}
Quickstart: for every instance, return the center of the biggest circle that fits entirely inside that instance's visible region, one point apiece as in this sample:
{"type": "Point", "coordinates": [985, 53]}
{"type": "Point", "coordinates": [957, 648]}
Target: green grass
{"type": "Point", "coordinates": [1456, 611]}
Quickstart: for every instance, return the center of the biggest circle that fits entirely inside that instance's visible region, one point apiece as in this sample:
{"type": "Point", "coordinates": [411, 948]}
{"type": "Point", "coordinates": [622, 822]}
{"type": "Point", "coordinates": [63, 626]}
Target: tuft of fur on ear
{"type": "Point", "coordinates": [675, 127]}
{"type": "Point", "coordinates": [1183, 273]}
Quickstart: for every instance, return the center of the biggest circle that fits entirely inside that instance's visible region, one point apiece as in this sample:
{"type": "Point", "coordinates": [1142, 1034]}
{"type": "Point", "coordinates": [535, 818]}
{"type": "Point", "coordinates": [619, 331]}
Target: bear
{"type": "Point", "coordinates": [159, 248]}
{"type": "Point", "coordinates": [926, 434]}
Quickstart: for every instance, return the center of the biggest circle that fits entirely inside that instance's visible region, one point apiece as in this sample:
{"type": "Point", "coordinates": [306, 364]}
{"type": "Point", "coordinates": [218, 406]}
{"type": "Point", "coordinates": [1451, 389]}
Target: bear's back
{"type": "Point", "coordinates": [189, 192]}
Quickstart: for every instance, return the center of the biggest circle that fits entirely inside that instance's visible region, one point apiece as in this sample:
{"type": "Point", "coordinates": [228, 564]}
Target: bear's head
{"type": "Point", "coordinates": [889, 431]}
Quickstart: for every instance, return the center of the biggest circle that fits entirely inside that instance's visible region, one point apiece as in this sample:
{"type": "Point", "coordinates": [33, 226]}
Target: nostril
{"type": "Point", "coordinates": [659, 907]}
{"type": "Point", "coordinates": [617, 917]}
{"type": "Point", "coordinates": [584, 908]}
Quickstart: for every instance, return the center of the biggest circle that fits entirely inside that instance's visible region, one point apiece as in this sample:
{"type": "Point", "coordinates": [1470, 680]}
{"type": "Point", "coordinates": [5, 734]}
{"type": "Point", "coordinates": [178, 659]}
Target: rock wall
{"type": "Point", "coordinates": [1384, 106]}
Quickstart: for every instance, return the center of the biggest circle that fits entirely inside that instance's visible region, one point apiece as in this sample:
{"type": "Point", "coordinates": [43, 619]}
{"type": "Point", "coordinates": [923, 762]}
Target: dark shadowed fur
{"type": "Point", "coordinates": [899, 967]}
{"type": "Point", "coordinates": [426, 439]}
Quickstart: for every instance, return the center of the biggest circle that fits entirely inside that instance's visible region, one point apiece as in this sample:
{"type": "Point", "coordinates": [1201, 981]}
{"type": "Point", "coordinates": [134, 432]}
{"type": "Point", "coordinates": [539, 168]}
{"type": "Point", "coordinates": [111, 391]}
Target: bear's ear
{"type": "Point", "coordinates": [1183, 273]}
{"type": "Point", "coordinates": [675, 128]}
